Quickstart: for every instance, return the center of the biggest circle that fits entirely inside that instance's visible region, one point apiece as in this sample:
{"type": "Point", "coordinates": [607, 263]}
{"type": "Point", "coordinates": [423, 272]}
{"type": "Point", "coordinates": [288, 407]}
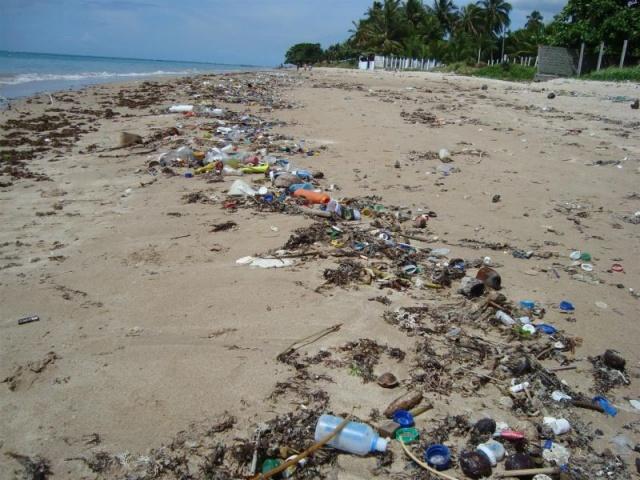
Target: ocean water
{"type": "Point", "coordinates": [23, 74]}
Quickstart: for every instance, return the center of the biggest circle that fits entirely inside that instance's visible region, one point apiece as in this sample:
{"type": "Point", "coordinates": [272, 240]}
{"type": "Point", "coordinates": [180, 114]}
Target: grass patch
{"type": "Point", "coordinates": [459, 68]}
{"type": "Point", "coordinates": [614, 74]}
{"type": "Point", "coordinates": [507, 71]}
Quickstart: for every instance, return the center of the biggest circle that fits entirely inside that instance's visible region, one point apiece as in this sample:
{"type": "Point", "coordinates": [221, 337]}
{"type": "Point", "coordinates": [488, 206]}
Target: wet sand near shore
{"type": "Point", "coordinates": [150, 334]}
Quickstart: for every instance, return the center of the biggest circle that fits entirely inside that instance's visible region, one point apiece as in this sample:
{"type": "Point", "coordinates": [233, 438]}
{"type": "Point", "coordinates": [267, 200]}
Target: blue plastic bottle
{"type": "Point", "coordinates": [298, 186]}
{"type": "Point", "coordinates": [355, 438]}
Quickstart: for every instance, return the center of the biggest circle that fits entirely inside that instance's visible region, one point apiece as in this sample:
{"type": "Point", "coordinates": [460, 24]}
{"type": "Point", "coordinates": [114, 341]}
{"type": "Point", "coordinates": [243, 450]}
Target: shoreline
{"type": "Point", "coordinates": [151, 334]}
{"type": "Point", "coordinates": [26, 90]}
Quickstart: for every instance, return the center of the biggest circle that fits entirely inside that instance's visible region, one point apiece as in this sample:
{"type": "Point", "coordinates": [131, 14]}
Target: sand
{"type": "Point", "coordinates": [152, 331]}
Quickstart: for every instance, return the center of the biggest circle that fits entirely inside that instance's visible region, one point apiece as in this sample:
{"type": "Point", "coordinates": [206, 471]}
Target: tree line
{"type": "Point", "coordinates": [476, 32]}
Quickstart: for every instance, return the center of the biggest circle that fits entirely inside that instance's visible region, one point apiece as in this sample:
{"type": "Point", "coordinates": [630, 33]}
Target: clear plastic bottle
{"type": "Point", "coordinates": [355, 438]}
{"type": "Point", "coordinates": [504, 318]}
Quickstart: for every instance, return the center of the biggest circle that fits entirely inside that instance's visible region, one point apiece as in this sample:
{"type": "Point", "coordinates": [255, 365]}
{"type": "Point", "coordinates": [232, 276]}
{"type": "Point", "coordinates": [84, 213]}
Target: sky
{"type": "Point", "coordinates": [256, 32]}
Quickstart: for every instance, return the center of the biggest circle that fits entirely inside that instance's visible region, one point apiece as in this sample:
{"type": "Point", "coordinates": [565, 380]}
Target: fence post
{"type": "Point", "coordinates": [580, 60]}
{"type": "Point", "coordinates": [600, 56]}
{"type": "Point", "coordinates": [624, 53]}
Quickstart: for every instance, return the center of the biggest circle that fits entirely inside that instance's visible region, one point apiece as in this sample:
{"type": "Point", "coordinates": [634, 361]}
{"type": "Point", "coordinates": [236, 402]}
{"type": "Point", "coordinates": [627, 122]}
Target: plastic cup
{"type": "Point", "coordinates": [438, 456]}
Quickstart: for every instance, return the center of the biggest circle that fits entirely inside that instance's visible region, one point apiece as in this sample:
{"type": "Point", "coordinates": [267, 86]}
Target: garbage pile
{"type": "Point", "coordinates": [470, 340]}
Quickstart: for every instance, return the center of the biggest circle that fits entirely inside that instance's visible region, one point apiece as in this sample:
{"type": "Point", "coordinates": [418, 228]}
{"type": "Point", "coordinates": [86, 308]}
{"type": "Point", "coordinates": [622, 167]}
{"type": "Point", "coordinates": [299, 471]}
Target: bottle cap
{"type": "Point", "coordinates": [380, 444]}
{"type": "Point", "coordinates": [403, 418]}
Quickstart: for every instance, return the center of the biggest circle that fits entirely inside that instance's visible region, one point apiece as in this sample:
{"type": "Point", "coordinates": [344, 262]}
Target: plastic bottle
{"type": "Point", "coordinates": [303, 174]}
{"type": "Point", "coordinates": [504, 318]}
{"type": "Point", "coordinates": [355, 438]}
{"type": "Point", "coordinates": [298, 186]}
{"type": "Point", "coordinates": [312, 197]}
{"type": "Point", "coordinates": [520, 387]}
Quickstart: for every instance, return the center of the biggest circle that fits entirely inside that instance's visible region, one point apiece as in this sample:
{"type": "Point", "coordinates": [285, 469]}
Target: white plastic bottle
{"type": "Point", "coordinates": [504, 318]}
{"type": "Point", "coordinates": [355, 438]}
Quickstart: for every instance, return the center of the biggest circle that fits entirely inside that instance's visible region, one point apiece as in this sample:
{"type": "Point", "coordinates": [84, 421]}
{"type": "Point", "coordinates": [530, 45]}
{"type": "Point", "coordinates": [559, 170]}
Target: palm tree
{"type": "Point", "coordinates": [383, 28]}
{"type": "Point", "coordinates": [471, 20]}
{"type": "Point", "coordinates": [534, 21]}
{"type": "Point", "coordinates": [471, 23]}
{"type": "Point", "coordinates": [414, 10]}
{"type": "Point", "coordinates": [496, 16]}
{"type": "Point", "coordinates": [446, 13]}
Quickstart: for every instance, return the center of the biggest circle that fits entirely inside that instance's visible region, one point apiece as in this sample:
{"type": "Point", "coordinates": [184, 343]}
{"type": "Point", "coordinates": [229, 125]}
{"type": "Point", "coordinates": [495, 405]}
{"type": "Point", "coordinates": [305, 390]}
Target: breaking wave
{"type": "Point", "coordinates": [41, 77]}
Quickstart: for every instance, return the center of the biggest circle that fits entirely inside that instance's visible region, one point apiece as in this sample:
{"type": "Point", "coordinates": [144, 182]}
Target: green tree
{"type": "Point", "coordinates": [496, 17]}
{"type": "Point", "coordinates": [595, 21]}
{"type": "Point", "coordinates": [534, 21]}
{"type": "Point", "coordinates": [446, 13]}
{"type": "Point", "coordinates": [383, 28]}
{"type": "Point", "coordinates": [302, 53]}
{"type": "Point", "coordinates": [471, 25]}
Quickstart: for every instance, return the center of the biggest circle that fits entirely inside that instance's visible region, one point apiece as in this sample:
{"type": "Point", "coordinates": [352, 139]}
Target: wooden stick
{"type": "Point", "coordinates": [304, 454]}
{"type": "Point", "coordinates": [561, 369]}
{"type": "Point", "coordinates": [433, 471]}
{"type": "Point", "coordinates": [314, 337]}
{"type": "Point", "coordinates": [529, 472]}
{"type": "Point", "coordinates": [416, 237]}
{"type": "Point", "coordinates": [587, 405]}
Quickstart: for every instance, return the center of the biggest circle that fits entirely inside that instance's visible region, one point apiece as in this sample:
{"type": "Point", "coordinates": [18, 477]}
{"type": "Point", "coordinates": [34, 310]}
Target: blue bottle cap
{"type": "Point", "coordinates": [527, 304]}
{"type": "Point", "coordinates": [403, 418]}
{"type": "Point", "coordinates": [566, 306]}
{"type": "Point", "coordinates": [546, 328]}
{"type": "Point", "coordinates": [438, 456]}
{"type": "Point", "coordinates": [606, 406]}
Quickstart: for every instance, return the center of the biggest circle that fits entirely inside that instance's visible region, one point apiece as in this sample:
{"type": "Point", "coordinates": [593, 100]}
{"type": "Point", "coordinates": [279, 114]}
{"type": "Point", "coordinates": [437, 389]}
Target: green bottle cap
{"type": "Point", "coordinates": [270, 463]}
{"type": "Point", "coordinates": [407, 435]}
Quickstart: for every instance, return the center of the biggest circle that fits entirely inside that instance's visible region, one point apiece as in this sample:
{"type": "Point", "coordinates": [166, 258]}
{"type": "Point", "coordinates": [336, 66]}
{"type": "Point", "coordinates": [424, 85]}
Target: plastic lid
{"type": "Point", "coordinates": [403, 418]}
{"type": "Point", "coordinates": [566, 306]}
{"type": "Point", "coordinates": [527, 304]}
{"type": "Point", "coordinates": [380, 444]}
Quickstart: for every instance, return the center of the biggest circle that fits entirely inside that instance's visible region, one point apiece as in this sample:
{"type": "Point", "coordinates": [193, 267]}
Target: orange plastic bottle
{"type": "Point", "coordinates": [312, 197]}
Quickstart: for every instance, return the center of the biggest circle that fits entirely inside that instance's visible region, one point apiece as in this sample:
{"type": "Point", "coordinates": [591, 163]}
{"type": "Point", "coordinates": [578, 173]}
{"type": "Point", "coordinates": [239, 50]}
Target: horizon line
{"type": "Point", "coordinates": [139, 59]}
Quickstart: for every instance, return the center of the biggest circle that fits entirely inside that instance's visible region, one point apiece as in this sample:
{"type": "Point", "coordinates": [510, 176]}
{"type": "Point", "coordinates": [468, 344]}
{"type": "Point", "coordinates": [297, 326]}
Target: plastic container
{"type": "Point", "coordinates": [558, 425]}
{"type": "Point", "coordinates": [303, 174]}
{"type": "Point", "coordinates": [313, 197]}
{"type": "Point", "coordinates": [298, 186]}
{"type": "Point", "coordinates": [504, 318]}
{"type": "Point", "coordinates": [493, 450]}
{"type": "Point", "coordinates": [520, 387]}
{"type": "Point", "coordinates": [180, 108]}
{"type": "Point", "coordinates": [438, 456]}
{"type": "Point", "coordinates": [356, 438]}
